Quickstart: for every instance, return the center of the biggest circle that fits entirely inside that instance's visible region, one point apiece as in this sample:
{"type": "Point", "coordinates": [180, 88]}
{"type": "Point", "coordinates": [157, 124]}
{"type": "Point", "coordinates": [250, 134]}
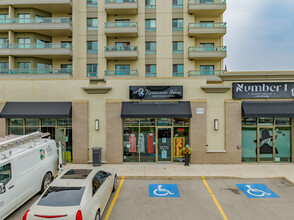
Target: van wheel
{"type": "Point", "coordinates": [114, 184]}
{"type": "Point", "coordinates": [46, 181]}
{"type": "Point", "coordinates": [97, 216]}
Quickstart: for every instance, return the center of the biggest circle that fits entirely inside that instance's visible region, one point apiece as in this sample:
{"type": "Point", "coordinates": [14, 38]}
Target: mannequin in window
{"type": "Point", "coordinates": [133, 145]}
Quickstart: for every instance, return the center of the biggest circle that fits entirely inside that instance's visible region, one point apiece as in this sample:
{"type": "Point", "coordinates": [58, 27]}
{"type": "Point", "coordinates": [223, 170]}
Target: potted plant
{"type": "Point", "coordinates": [186, 152]}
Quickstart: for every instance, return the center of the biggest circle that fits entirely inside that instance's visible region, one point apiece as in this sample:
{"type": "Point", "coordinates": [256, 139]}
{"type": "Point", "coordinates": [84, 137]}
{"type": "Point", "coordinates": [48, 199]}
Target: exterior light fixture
{"type": "Point", "coordinates": [216, 125]}
{"type": "Point", "coordinates": [97, 125]}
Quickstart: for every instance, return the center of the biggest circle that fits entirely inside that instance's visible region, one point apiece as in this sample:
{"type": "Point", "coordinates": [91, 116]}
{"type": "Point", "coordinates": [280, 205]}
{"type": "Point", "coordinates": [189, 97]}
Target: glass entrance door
{"type": "Point", "coordinates": [164, 144]}
{"type": "Point", "coordinates": [266, 149]}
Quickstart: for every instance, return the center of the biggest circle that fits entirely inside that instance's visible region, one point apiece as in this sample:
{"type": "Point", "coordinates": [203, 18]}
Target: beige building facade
{"type": "Point", "coordinates": [143, 79]}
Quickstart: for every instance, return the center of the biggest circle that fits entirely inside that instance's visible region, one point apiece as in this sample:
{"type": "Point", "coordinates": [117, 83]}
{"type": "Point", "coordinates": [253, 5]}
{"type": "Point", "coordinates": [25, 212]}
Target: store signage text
{"type": "Point", "coordinates": [156, 92]}
{"type": "Point", "coordinates": [263, 90]}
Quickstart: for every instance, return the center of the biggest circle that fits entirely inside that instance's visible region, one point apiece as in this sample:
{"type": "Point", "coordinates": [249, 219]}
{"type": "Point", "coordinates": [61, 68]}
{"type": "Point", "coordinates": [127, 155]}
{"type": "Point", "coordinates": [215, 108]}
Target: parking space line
{"type": "Point", "coordinates": [214, 199]}
{"type": "Point", "coordinates": [114, 199]}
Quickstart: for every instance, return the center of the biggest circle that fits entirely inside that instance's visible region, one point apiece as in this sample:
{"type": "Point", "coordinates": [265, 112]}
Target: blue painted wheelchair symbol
{"type": "Point", "coordinates": [257, 191]}
{"type": "Point", "coordinates": [163, 190]}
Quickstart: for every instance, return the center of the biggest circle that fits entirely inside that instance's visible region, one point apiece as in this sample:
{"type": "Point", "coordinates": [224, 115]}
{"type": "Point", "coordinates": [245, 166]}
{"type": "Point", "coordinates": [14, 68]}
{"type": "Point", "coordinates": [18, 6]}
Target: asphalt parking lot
{"type": "Point", "coordinates": [195, 201]}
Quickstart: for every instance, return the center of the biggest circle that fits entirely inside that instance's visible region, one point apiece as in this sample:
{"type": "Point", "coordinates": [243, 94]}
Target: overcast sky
{"type": "Point", "coordinates": [260, 35]}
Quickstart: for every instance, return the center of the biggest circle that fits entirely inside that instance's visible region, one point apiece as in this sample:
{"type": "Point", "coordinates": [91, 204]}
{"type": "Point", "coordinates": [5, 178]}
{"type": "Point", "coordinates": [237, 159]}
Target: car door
{"type": "Point", "coordinates": [7, 198]}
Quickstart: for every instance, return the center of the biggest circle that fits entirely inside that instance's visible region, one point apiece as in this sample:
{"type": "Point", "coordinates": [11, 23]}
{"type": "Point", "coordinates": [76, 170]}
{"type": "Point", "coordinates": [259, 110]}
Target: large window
{"type": "Point", "coordinates": [92, 47]}
{"type": "Point", "coordinates": [4, 18]}
{"type": "Point", "coordinates": [150, 3]}
{"type": "Point", "coordinates": [24, 42]}
{"type": "Point", "coordinates": [4, 68]}
{"type": "Point", "coordinates": [178, 47]}
{"type": "Point", "coordinates": [92, 70]}
{"type": "Point", "coordinates": [178, 70]}
{"type": "Point", "coordinates": [24, 18]}
{"type": "Point", "coordinates": [92, 3]}
{"type": "Point", "coordinates": [206, 70]}
{"type": "Point", "coordinates": [150, 47]}
{"type": "Point", "coordinates": [150, 70]}
{"type": "Point", "coordinates": [122, 69]}
{"type": "Point", "coordinates": [92, 24]}
{"type": "Point", "coordinates": [178, 24]}
{"type": "Point", "coordinates": [150, 25]}
{"type": "Point", "coordinates": [177, 3]}
{"type": "Point", "coordinates": [24, 67]}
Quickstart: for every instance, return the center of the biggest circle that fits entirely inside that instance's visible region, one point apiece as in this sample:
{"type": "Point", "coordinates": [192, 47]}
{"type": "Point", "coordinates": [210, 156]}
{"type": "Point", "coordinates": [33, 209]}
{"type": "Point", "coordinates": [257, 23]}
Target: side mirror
{"type": "Point", "coordinates": [2, 188]}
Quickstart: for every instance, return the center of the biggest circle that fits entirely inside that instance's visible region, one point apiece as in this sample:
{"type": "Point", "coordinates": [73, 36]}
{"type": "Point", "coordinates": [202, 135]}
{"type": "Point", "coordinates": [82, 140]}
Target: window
{"type": "Point", "coordinates": [4, 68]}
{"type": "Point", "coordinates": [24, 67]}
{"type": "Point", "coordinates": [92, 70]}
{"type": "Point", "coordinates": [150, 3]}
{"type": "Point", "coordinates": [150, 25]}
{"type": "Point", "coordinates": [206, 24]}
{"type": "Point", "coordinates": [178, 70]}
{"type": "Point", "coordinates": [66, 68]}
{"type": "Point", "coordinates": [122, 69]}
{"type": "Point", "coordinates": [150, 47]}
{"type": "Point", "coordinates": [5, 173]}
{"type": "Point", "coordinates": [177, 3]}
{"type": "Point", "coordinates": [178, 47]}
{"type": "Point", "coordinates": [206, 46]}
{"type": "Point", "coordinates": [122, 23]}
{"type": "Point", "coordinates": [4, 18]}
{"type": "Point", "coordinates": [92, 47]}
{"type": "Point", "coordinates": [206, 70]}
{"type": "Point", "coordinates": [43, 68]}
{"type": "Point", "coordinates": [24, 42]}
{"type": "Point", "coordinates": [92, 24]}
{"type": "Point", "coordinates": [4, 42]}
{"type": "Point", "coordinates": [150, 70]}
{"type": "Point", "coordinates": [178, 24]}
{"type": "Point", "coordinates": [24, 18]}
{"type": "Point", "coordinates": [92, 3]}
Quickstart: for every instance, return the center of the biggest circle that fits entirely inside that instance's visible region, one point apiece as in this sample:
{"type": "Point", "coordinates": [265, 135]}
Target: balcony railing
{"type": "Point", "coordinates": [36, 46]}
{"type": "Point", "coordinates": [119, 1]}
{"type": "Point", "coordinates": [205, 72]}
{"type": "Point", "coordinates": [207, 1]}
{"type": "Point", "coordinates": [36, 71]}
{"type": "Point", "coordinates": [121, 48]}
{"type": "Point", "coordinates": [35, 20]}
{"type": "Point", "coordinates": [207, 49]}
{"type": "Point", "coordinates": [207, 25]}
{"type": "Point", "coordinates": [121, 24]}
{"type": "Point", "coordinates": [121, 73]}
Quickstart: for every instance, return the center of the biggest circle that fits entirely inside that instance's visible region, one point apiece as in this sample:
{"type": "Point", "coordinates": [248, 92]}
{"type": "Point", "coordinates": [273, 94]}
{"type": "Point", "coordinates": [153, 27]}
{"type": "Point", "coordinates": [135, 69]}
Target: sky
{"type": "Point", "coordinates": [260, 35]}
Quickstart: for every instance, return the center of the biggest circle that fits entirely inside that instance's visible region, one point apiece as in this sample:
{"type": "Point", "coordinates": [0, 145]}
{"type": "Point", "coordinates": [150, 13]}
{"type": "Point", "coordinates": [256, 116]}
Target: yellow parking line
{"type": "Point", "coordinates": [214, 199]}
{"type": "Point", "coordinates": [114, 199]}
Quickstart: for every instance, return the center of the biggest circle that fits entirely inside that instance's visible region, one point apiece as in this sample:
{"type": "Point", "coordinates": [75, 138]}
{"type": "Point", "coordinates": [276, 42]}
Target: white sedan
{"type": "Point", "coordinates": [78, 194]}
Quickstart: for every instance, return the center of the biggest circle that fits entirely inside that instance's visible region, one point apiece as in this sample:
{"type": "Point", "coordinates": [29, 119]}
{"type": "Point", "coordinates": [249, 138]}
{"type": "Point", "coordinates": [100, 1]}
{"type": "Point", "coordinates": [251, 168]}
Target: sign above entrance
{"type": "Point", "coordinates": [273, 90]}
{"type": "Point", "coordinates": [156, 92]}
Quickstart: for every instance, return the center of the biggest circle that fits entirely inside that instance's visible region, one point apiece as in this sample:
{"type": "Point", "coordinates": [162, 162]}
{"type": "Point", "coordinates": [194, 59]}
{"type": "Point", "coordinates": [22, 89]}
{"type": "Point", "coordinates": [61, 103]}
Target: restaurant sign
{"type": "Point", "coordinates": [273, 90]}
{"type": "Point", "coordinates": [156, 92]}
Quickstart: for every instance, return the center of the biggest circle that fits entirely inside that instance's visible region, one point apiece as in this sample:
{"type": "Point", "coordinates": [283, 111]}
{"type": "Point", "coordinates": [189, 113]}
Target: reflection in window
{"type": "Point", "coordinates": [5, 173]}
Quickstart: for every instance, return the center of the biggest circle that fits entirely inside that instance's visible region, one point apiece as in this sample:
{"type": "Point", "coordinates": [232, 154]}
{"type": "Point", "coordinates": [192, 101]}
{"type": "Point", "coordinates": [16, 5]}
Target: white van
{"type": "Point", "coordinates": [28, 164]}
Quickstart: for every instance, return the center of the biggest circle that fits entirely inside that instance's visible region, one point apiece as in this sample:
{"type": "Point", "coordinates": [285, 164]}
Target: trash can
{"type": "Point", "coordinates": [96, 156]}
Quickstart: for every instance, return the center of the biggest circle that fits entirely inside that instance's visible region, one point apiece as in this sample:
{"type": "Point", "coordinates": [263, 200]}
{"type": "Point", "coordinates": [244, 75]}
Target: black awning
{"type": "Point", "coordinates": [36, 110]}
{"type": "Point", "coordinates": [268, 109]}
{"type": "Point", "coordinates": [156, 110]}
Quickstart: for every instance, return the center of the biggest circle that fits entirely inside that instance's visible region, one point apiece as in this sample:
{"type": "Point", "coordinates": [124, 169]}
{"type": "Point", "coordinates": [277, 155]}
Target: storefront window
{"type": "Point", "coordinates": [147, 122]}
{"type": "Point", "coordinates": [181, 139]}
{"type": "Point", "coordinates": [249, 145]}
{"type": "Point", "coordinates": [48, 122]}
{"type": "Point", "coordinates": [32, 122]}
{"type": "Point", "coordinates": [130, 144]}
{"type": "Point", "coordinates": [265, 121]}
{"type": "Point", "coordinates": [29, 130]}
{"type": "Point", "coordinates": [64, 122]}
{"type": "Point", "coordinates": [283, 144]}
{"type": "Point", "coordinates": [283, 121]}
{"type": "Point", "coordinates": [131, 122]}
{"type": "Point", "coordinates": [147, 144]}
{"type": "Point", "coordinates": [181, 122]}
{"type": "Point", "coordinates": [249, 121]}
{"type": "Point", "coordinates": [16, 122]}
{"type": "Point", "coordinates": [15, 130]}
{"type": "Point", "coordinates": [164, 122]}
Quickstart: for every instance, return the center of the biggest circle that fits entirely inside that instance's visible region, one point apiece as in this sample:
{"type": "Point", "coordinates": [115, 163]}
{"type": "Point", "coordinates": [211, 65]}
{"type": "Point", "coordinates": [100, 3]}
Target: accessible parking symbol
{"type": "Point", "coordinates": [163, 190]}
{"type": "Point", "coordinates": [257, 191]}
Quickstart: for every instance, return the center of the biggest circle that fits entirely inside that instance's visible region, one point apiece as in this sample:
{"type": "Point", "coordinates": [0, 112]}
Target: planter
{"type": "Point", "coordinates": [187, 158]}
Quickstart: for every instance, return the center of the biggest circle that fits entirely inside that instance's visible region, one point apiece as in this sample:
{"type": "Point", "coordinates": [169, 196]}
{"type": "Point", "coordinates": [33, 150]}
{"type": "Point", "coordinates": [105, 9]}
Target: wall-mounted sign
{"type": "Point", "coordinates": [156, 92]}
{"type": "Point", "coordinates": [273, 90]}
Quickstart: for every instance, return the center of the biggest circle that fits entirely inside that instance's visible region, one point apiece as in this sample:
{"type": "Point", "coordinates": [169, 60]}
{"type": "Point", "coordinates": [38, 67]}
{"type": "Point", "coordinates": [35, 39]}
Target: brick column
{"type": "Point", "coordinates": [80, 131]}
{"type": "Point", "coordinates": [2, 121]}
{"type": "Point", "coordinates": [114, 132]}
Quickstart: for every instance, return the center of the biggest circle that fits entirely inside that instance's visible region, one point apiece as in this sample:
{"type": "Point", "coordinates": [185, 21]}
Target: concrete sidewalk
{"type": "Point", "coordinates": [179, 171]}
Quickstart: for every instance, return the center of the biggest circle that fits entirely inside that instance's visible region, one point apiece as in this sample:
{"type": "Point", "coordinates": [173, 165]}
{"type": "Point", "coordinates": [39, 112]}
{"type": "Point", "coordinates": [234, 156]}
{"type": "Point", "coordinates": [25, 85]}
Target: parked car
{"type": "Point", "coordinates": [78, 194]}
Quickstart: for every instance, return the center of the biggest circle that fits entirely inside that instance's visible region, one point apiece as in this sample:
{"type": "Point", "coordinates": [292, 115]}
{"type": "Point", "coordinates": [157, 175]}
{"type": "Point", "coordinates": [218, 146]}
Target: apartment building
{"type": "Point", "coordinates": [141, 79]}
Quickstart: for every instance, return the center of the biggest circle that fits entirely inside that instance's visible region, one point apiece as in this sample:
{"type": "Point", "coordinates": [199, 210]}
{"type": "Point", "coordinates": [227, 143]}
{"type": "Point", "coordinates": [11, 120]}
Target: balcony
{"type": "Point", "coordinates": [207, 53]}
{"type": "Point", "coordinates": [53, 6]}
{"type": "Point", "coordinates": [35, 73]}
{"type": "Point", "coordinates": [207, 30]}
{"type": "Point", "coordinates": [205, 72]}
{"type": "Point", "coordinates": [121, 6]}
{"type": "Point", "coordinates": [46, 26]}
{"type": "Point", "coordinates": [43, 50]}
{"type": "Point", "coordinates": [121, 73]}
{"type": "Point", "coordinates": [121, 29]}
{"type": "Point", "coordinates": [121, 53]}
{"type": "Point", "coordinates": [207, 7]}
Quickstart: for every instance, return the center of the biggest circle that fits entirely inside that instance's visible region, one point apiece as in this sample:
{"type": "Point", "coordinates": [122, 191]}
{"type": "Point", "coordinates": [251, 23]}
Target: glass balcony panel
{"type": "Point", "coordinates": [207, 1]}
{"type": "Point", "coordinates": [209, 48]}
{"type": "Point", "coordinates": [119, 1]}
{"type": "Point", "coordinates": [36, 45]}
{"type": "Point", "coordinates": [121, 24]}
{"type": "Point", "coordinates": [39, 71]}
{"type": "Point", "coordinates": [121, 72]}
{"type": "Point", "coordinates": [121, 48]}
{"type": "Point", "coordinates": [207, 25]}
{"type": "Point", "coordinates": [205, 72]}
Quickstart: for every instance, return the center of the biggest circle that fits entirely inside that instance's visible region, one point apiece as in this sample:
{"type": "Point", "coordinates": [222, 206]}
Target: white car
{"type": "Point", "coordinates": [78, 194]}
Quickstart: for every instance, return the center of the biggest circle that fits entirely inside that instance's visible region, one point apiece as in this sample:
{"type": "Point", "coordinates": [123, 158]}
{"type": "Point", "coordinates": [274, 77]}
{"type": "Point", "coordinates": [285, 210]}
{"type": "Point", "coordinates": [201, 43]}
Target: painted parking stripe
{"type": "Point", "coordinates": [214, 199]}
{"type": "Point", "coordinates": [114, 199]}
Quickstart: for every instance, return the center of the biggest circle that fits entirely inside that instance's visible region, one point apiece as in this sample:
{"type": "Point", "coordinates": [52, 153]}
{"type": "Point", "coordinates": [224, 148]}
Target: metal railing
{"type": "Point", "coordinates": [36, 46]}
{"type": "Point", "coordinates": [208, 25]}
{"type": "Point", "coordinates": [121, 24]}
{"type": "Point", "coordinates": [36, 71]}
{"type": "Point", "coordinates": [207, 1]}
{"type": "Point", "coordinates": [121, 48]}
{"type": "Point", "coordinates": [208, 49]}
{"type": "Point", "coordinates": [119, 1]}
{"type": "Point", "coordinates": [205, 72]}
{"type": "Point", "coordinates": [35, 20]}
{"type": "Point", "coordinates": [92, 5]}
{"type": "Point", "coordinates": [121, 73]}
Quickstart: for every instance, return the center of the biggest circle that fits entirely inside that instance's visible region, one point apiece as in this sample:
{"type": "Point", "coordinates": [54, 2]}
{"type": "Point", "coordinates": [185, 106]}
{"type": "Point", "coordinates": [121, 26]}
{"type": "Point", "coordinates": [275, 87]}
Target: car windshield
{"type": "Point", "coordinates": [62, 196]}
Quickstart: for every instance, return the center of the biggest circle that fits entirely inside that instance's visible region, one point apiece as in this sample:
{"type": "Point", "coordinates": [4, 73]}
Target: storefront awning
{"type": "Point", "coordinates": [267, 109]}
{"type": "Point", "coordinates": [156, 110]}
{"type": "Point", "coordinates": [36, 110]}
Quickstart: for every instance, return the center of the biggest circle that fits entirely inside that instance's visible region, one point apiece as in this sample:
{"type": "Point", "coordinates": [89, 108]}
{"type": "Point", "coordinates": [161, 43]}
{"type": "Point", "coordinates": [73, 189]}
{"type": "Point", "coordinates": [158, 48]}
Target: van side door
{"type": "Point", "coordinates": [7, 198]}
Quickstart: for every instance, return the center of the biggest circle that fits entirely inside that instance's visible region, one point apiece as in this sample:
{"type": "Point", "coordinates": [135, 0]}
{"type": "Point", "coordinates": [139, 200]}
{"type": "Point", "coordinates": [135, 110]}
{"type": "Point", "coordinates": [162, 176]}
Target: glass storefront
{"type": "Point", "coordinates": [266, 140]}
{"type": "Point", "coordinates": [154, 140]}
{"type": "Point", "coordinates": [60, 129]}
